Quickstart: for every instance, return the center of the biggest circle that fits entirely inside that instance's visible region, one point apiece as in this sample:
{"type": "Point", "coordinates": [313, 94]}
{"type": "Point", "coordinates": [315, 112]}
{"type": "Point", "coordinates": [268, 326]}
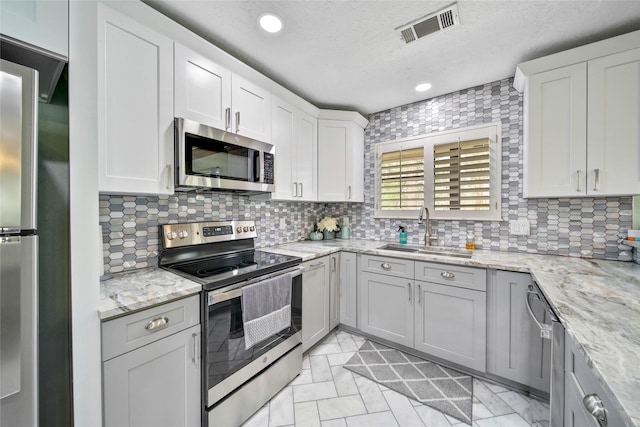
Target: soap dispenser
{"type": "Point", "coordinates": [403, 235]}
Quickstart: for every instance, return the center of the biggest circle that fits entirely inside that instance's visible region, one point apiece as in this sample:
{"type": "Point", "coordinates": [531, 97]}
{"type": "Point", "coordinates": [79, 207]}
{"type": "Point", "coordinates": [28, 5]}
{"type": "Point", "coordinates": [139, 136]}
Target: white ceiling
{"type": "Point", "coordinates": [345, 54]}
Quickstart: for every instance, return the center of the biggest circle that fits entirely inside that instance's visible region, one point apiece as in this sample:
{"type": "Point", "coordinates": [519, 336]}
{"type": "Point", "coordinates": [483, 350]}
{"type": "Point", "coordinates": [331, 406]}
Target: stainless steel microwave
{"type": "Point", "coordinates": [210, 158]}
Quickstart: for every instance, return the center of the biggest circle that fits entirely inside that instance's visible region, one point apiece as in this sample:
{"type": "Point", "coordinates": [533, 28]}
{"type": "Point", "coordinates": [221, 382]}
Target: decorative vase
{"type": "Point", "coordinates": [328, 235]}
{"type": "Point", "coordinates": [316, 235]}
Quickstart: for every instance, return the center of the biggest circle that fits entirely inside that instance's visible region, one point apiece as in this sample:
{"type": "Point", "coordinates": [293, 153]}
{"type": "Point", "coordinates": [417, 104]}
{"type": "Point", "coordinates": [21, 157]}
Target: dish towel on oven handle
{"type": "Point", "coordinates": [266, 308]}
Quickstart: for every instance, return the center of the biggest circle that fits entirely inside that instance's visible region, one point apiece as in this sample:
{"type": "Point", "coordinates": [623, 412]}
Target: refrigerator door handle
{"type": "Point", "coordinates": [10, 325]}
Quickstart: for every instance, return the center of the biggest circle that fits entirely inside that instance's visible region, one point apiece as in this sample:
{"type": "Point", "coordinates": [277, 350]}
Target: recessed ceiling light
{"type": "Point", "coordinates": [270, 22]}
{"type": "Point", "coordinates": [423, 86]}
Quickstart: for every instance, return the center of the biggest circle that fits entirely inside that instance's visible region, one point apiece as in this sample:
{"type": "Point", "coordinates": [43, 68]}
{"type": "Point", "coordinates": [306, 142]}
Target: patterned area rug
{"type": "Point", "coordinates": [441, 388]}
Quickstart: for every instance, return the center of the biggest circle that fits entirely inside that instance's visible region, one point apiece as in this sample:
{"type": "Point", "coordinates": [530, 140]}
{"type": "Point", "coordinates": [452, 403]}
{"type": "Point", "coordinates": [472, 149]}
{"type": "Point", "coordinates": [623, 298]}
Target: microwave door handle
{"type": "Point", "coordinates": [256, 165]}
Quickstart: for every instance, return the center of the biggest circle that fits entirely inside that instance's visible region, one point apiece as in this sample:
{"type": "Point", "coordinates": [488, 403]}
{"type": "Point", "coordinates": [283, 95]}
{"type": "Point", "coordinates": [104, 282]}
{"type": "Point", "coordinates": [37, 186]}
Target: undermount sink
{"type": "Point", "coordinates": [429, 250]}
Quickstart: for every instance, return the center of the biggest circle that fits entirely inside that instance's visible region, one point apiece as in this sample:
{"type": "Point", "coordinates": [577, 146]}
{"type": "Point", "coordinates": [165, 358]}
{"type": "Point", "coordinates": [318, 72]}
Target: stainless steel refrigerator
{"type": "Point", "coordinates": [18, 246]}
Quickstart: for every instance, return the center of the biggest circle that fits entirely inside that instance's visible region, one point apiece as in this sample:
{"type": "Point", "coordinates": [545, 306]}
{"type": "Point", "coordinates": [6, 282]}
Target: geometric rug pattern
{"type": "Point", "coordinates": [444, 389]}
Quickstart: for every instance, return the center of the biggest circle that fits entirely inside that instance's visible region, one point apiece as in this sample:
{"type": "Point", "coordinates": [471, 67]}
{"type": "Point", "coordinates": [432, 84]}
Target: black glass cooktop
{"type": "Point", "coordinates": [222, 270]}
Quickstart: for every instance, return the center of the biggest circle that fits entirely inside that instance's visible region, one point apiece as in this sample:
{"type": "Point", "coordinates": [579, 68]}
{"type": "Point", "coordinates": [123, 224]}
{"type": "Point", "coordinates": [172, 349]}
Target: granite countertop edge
{"type": "Point", "coordinates": [571, 285]}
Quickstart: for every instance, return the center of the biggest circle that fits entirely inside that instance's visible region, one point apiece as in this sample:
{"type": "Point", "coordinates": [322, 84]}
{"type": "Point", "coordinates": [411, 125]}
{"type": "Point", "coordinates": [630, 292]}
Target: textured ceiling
{"type": "Point", "coordinates": [346, 54]}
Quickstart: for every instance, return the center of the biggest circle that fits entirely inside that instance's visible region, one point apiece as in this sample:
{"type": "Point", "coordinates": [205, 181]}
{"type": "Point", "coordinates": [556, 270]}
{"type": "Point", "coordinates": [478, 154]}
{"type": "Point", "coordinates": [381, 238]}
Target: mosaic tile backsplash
{"type": "Point", "coordinates": [583, 227]}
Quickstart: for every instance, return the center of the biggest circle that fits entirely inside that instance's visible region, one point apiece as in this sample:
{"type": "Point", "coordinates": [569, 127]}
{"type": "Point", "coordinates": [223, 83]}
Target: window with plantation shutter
{"type": "Point", "coordinates": [456, 174]}
{"type": "Point", "coordinates": [461, 176]}
{"type": "Point", "coordinates": [402, 179]}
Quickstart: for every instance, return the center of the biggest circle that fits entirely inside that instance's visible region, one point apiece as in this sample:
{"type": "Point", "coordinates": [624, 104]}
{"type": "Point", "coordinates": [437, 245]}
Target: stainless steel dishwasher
{"type": "Point", "coordinates": [552, 329]}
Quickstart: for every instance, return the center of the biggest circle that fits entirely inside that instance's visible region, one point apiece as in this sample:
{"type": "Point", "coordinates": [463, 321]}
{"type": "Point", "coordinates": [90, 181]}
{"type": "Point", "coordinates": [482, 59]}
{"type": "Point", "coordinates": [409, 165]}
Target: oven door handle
{"type": "Point", "coordinates": [236, 291]}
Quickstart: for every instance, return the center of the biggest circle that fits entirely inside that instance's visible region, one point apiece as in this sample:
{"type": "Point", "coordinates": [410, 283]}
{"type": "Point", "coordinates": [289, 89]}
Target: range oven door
{"type": "Point", "coordinates": [211, 158]}
{"type": "Point", "coordinates": [227, 363]}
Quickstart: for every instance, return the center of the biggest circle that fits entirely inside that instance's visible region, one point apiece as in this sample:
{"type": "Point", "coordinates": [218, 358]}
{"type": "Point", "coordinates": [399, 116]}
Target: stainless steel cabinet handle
{"type": "Point", "coordinates": [295, 189]}
{"type": "Point", "coordinates": [194, 337]}
{"type": "Point", "coordinates": [300, 185]}
{"type": "Point", "coordinates": [447, 275]}
{"type": "Point", "coordinates": [409, 283]}
{"type": "Point", "coordinates": [419, 293]}
{"type": "Point", "coordinates": [314, 266]}
{"type": "Point", "coordinates": [237, 121]}
{"type": "Point", "coordinates": [594, 405]}
{"type": "Point", "coordinates": [578, 184]}
{"type": "Point", "coordinates": [597, 181]}
{"type": "Point", "coordinates": [227, 118]}
{"type": "Point", "coordinates": [169, 179]}
{"type": "Point", "coordinates": [545, 330]}
{"type": "Point", "coordinates": [335, 262]}
{"type": "Point", "coordinates": [156, 323]}
{"type": "Point", "coordinates": [385, 266]}
{"type": "Point", "coordinates": [349, 193]}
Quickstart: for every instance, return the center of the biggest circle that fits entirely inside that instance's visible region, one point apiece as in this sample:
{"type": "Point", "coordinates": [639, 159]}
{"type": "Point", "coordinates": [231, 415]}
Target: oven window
{"type": "Point", "coordinates": [226, 353]}
{"type": "Point", "coordinates": [217, 159]}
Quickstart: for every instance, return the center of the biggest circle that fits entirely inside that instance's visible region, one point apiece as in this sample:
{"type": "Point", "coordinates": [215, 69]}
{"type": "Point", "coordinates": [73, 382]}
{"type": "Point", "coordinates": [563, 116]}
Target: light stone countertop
{"type": "Point", "coordinates": [140, 289]}
{"type": "Point", "coordinates": [598, 302]}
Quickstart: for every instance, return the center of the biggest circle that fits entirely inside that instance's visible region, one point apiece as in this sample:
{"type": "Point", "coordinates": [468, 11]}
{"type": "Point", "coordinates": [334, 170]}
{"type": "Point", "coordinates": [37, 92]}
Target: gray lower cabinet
{"type": "Point", "coordinates": [315, 301]}
{"type": "Point", "coordinates": [516, 351]}
{"type": "Point", "coordinates": [579, 381]}
{"type": "Point", "coordinates": [151, 366]}
{"type": "Point", "coordinates": [155, 385]}
{"type": "Point", "coordinates": [451, 324]}
{"type": "Point", "coordinates": [386, 307]}
{"type": "Point", "coordinates": [348, 289]}
{"type": "Point", "coordinates": [334, 290]}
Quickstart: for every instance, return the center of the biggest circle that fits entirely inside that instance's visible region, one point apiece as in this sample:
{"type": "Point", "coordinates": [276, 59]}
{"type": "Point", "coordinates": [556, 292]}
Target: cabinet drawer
{"type": "Point", "coordinates": [454, 275]}
{"type": "Point", "coordinates": [135, 330]}
{"type": "Point", "coordinates": [385, 265]}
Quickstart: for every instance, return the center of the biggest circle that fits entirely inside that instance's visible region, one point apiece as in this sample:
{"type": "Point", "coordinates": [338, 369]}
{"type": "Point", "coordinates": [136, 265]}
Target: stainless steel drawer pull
{"type": "Point", "coordinates": [594, 405]}
{"type": "Point", "coordinates": [447, 275]}
{"type": "Point", "coordinates": [156, 323]}
{"type": "Point", "coordinates": [385, 266]}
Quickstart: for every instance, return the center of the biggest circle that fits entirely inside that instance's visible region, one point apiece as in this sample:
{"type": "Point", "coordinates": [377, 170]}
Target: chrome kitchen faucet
{"type": "Point", "coordinates": [427, 232]}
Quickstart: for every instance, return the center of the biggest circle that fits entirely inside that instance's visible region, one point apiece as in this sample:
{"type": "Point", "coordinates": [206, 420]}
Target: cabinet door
{"type": "Point", "coordinates": [315, 302]}
{"type": "Point", "coordinates": [348, 286]}
{"type": "Point", "coordinates": [614, 126]}
{"type": "Point", "coordinates": [251, 110]}
{"type": "Point", "coordinates": [135, 107]}
{"type": "Point", "coordinates": [155, 385]}
{"type": "Point", "coordinates": [284, 140]}
{"type": "Point", "coordinates": [334, 290]}
{"type": "Point", "coordinates": [306, 147]}
{"type": "Point", "coordinates": [355, 164]}
{"type": "Point", "coordinates": [386, 307]}
{"type": "Point", "coordinates": [556, 133]}
{"type": "Point", "coordinates": [202, 89]}
{"type": "Point", "coordinates": [451, 324]}
{"type": "Point", "coordinates": [41, 23]}
{"type": "Point", "coordinates": [516, 351]}
{"type": "Point", "coordinates": [332, 166]}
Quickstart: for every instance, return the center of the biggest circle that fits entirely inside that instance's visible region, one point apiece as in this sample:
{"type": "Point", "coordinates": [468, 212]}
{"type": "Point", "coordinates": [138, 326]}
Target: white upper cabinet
{"type": "Point", "coordinates": [613, 147]}
{"type": "Point", "coordinates": [135, 106]}
{"type": "Point", "coordinates": [251, 108]}
{"type": "Point", "coordinates": [341, 156]}
{"type": "Point", "coordinates": [582, 126]}
{"type": "Point", "coordinates": [295, 138]}
{"type": "Point", "coordinates": [41, 23]}
{"type": "Point", "coordinates": [202, 89]}
{"type": "Point", "coordinates": [210, 94]}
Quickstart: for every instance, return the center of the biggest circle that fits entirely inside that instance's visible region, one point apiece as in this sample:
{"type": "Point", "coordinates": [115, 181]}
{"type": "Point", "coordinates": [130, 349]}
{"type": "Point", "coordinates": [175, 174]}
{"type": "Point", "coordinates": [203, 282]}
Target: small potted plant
{"type": "Point", "coordinates": [328, 225]}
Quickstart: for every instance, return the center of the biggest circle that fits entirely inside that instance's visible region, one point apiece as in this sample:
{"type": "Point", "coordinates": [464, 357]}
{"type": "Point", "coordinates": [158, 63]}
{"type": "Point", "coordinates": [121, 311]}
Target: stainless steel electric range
{"type": "Point", "coordinates": [236, 380]}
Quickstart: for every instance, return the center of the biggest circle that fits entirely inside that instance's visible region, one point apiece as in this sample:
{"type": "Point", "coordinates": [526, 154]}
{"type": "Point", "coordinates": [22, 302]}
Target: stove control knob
{"type": "Point", "coordinates": [239, 230]}
{"type": "Point", "coordinates": [245, 229]}
{"type": "Point", "coordinates": [252, 228]}
{"type": "Point", "coordinates": [183, 234]}
{"type": "Point", "coordinates": [172, 235]}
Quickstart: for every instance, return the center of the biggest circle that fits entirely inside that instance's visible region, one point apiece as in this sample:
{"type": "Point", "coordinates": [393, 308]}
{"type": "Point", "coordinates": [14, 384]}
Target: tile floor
{"type": "Point", "coordinates": [327, 395]}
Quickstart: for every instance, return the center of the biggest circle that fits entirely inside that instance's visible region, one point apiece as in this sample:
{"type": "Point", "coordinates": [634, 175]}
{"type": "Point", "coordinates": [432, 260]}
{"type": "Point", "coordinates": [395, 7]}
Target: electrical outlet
{"type": "Point", "coordinates": [519, 227]}
{"type": "Point", "coordinates": [283, 222]}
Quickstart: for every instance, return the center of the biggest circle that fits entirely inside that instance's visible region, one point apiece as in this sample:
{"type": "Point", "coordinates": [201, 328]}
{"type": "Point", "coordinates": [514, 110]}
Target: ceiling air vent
{"type": "Point", "coordinates": [430, 24]}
